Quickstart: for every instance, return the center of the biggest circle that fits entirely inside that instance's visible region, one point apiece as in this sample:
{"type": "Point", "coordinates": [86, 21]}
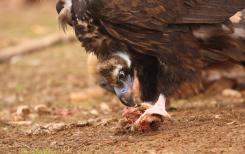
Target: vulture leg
{"type": "Point", "coordinates": [149, 116]}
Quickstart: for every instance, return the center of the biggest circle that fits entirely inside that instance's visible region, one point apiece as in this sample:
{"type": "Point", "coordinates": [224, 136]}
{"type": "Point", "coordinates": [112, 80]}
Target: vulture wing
{"type": "Point", "coordinates": [163, 28]}
{"type": "Point", "coordinates": [154, 14]}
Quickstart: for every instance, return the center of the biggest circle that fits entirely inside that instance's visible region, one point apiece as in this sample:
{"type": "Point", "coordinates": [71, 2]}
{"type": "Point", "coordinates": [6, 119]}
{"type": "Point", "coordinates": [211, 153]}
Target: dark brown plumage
{"type": "Point", "coordinates": [168, 42]}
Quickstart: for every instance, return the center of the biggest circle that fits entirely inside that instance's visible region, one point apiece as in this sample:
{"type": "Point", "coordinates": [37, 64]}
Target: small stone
{"type": "Point", "coordinates": [65, 112]}
{"type": "Point", "coordinates": [77, 97]}
{"type": "Point", "coordinates": [212, 103]}
{"type": "Point", "coordinates": [231, 123]}
{"type": "Point", "coordinates": [93, 121]}
{"type": "Point", "coordinates": [231, 93]}
{"type": "Point", "coordinates": [105, 108]}
{"type": "Point", "coordinates": [55, 126]}
{"type": "Point", "coordinates": [36, 129]}
{"type": "Point", "coordinates": [83, 124]}
{"type": "Point", "coordinates": [48, 128]}
{"type": "Point", "coordinates": [85, 113]}
{"type": "Point", "coordinates": [105, 122]}
{"type": "Point", "coordinates": [21, 123]}
{"type": "Point", "coordinates": [61, 143]}
{"type": "Point", "coordinates": [94, 112]}
{"type": "Point", "coordinates": [23, 111]}
{"type": "Point", "coordinates": [42, 109]}
{"type": "Point", "coordinates": [53, 144]}
{"type": "Point", "coordinates": [217, 117]}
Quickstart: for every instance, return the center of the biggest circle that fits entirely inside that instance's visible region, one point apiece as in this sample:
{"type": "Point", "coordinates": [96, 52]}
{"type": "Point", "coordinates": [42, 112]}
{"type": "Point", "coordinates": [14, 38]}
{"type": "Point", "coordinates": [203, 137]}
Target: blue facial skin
{"type": "Point", "coordinates": [123, 92]}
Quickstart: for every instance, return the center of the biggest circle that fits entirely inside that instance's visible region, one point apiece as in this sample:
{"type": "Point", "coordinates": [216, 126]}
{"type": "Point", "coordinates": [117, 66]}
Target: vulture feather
{"type": "Point", "coordinates": [149, 48]}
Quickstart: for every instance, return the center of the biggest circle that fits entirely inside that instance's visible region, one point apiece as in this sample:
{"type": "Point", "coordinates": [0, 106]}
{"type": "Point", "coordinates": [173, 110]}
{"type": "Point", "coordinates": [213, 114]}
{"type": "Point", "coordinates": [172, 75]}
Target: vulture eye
{"type": "Point", "coordinates": [122, 75]}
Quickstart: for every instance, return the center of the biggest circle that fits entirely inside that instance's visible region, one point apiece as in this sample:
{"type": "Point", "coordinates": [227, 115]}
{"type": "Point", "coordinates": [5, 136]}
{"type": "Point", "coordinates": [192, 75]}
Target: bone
{"type": "Point", "coordinates": [159, 108]}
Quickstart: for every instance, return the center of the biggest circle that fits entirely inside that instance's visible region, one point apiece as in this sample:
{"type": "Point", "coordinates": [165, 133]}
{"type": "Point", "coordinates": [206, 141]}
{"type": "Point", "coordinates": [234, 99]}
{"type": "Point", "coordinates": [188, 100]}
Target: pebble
{"type": "Point", "coordinates": [77, 97]}
{"type": "Point", "coordinates": [42, 109]}
{"type": "Point", "coordinates": [231, 93]}
{"type": "Point", "coordinates": [23, 111]}
{"type": "Point", "coordinates": [55, 127]}
{"type": "Point", "coordinates": [105, 108]}
{"type": "Point", "coordinates": [217, 116]}
{"type": "Point", "coordinates": [21, 123]}
{"type": "Point", "coordinates": [53, 144]}
{"type": "Point", "coordinates": [94, 112]}
{"type": "Point", "coordinates": [48, 128]}
{"type": "Point", "coordinates": [83, 124]}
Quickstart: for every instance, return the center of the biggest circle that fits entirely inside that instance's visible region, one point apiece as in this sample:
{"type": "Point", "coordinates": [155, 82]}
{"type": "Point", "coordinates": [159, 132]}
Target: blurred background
{"type": "Point", "coordinates": [40, 65]}
{"type": "Point", "coordinates": [47, 77]}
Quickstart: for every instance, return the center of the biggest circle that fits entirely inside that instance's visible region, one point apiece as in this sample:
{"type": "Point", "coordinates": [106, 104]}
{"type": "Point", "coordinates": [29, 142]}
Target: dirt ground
{"type": "Point", "coordinates": [213, 122]}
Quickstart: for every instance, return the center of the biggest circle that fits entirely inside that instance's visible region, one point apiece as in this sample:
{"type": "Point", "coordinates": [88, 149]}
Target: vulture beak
{"type": "Point", "coordinates": [125, 92]}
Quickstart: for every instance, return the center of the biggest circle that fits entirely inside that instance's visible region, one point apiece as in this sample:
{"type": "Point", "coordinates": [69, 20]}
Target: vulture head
{"type": "Point", "coordinates": [119, 72]}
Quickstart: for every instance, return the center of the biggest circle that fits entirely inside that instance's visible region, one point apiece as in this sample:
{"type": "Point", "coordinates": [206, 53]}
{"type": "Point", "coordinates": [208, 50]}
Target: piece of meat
{"type": "Point", "coordinates": [131, 114]}
{"type": "Point", "coordinates": [145, 117]}
{"type": "Point", "coordinates": [147, 123]}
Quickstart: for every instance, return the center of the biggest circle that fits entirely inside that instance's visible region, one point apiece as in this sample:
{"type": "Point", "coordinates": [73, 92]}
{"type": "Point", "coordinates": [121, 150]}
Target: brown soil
{"type": "Point", "coordinates": [193, 130]}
